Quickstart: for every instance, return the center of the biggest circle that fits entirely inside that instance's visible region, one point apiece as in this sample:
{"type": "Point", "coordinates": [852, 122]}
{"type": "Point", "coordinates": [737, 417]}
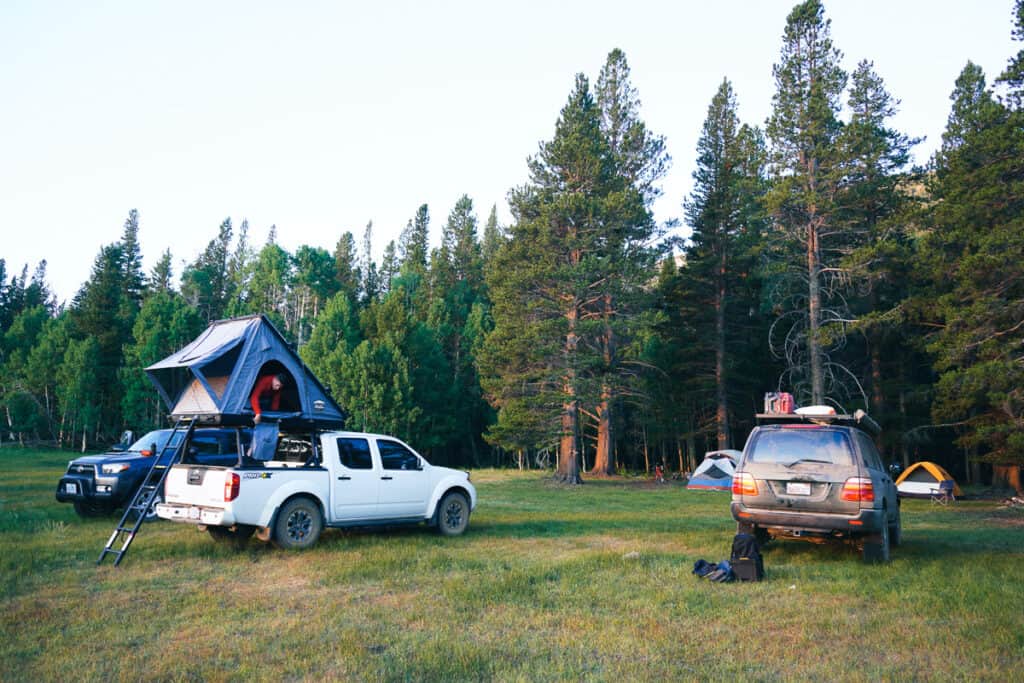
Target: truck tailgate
{"type": "Point", "coordinates": [196, 485]}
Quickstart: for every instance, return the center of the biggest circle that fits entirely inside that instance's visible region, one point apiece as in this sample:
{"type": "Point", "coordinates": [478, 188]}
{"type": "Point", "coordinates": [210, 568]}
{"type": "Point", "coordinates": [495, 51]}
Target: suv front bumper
{"type": "Point", "coordinates": [867, 521]}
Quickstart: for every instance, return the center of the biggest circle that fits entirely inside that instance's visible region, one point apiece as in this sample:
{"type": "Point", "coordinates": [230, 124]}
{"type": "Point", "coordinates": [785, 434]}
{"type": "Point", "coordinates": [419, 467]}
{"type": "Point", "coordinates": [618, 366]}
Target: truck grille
{"type": "Point", "coordinates": [81, 469]}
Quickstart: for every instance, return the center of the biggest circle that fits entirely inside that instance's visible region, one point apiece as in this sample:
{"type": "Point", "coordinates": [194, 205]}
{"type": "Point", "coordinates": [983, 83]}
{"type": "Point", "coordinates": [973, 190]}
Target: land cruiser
{"type": "Point", "coordinates": [817, 475]}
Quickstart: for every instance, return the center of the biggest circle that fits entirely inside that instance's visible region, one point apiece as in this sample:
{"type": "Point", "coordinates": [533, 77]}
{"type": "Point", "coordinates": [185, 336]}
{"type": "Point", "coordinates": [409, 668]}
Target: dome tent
{"type": "Point", "coordinates": [715, 471]}
{"type": "Point", "coordinates": [921, 480]}
{"type": "Point", "coordinates": [211, 378]}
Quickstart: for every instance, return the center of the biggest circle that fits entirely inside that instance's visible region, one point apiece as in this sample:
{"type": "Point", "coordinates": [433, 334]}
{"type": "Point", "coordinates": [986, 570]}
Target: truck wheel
{"type": "Point", "coordinates": [236, 536]}
{"type": "Point", "coordinates": [148, 501]}
{"type": "Point", "coordinates": [452, 514]}
{"type": "Point", "coordinates": [298, 524]}
{"type": "Point", "coordinates": [876, 546]}
{"type": "Point", "coordinates": [896, 531]}
{"type": "Point", "coordinates": [86, 510]}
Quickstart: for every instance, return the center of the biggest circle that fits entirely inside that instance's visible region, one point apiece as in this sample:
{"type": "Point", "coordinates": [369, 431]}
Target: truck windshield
{"type": "Point", "coordinates": [158, 437]}
{"type": "Point", "coordinates": [793, 446]}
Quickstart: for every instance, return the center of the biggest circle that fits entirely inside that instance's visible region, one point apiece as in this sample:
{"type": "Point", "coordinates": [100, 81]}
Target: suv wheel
{"type": "Point", "coordinates": [148, 501]}
{"type": "Point", "coordinates": [876, 546]}
{"type": "Point", "coordinates": [896, 531]}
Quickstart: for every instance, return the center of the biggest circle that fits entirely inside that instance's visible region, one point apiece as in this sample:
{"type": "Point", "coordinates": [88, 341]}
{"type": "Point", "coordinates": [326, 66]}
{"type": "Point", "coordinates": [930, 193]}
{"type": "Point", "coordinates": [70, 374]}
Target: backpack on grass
{"type": "Point", "coordinates": [746, 560]}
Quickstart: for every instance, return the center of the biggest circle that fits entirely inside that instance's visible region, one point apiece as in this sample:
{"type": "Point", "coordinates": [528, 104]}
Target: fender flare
{"type": "Point", "coordinates": [282, 496]}
{"type": "Point", "coordinates": [444, 486]}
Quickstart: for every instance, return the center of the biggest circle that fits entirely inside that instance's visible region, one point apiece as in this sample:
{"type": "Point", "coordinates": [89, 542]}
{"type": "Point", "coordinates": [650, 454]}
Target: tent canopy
{"type": "Point", "coordinates": [922, 478]}
{"type": "Point", "coordinates": [715, 471]}
{"type": "Point", "coordinates": [211, 379]}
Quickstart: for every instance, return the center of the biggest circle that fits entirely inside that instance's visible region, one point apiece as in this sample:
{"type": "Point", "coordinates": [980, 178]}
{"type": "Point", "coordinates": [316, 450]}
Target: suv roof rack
{"type": "Point", "coordinates": [859, 419]}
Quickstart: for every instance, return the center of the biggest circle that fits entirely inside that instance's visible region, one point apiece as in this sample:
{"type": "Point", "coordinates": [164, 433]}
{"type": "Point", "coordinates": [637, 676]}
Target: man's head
{"type": "Point", "coordinates": [277, 382]}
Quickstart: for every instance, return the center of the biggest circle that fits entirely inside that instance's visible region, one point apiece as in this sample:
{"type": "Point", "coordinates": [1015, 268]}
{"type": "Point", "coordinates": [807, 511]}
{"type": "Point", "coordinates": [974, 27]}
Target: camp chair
{"type": "Point", "coordinates": [944, 493]}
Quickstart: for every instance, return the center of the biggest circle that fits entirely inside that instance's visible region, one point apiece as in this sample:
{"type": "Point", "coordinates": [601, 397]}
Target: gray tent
{"type": "Point", "coordinates": [212, 378]}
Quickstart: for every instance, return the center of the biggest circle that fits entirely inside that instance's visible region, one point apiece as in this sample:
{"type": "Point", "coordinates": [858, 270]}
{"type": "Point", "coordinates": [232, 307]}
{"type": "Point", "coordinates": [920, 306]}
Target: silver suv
{"type": "Point", "coordinates": [818, 477]}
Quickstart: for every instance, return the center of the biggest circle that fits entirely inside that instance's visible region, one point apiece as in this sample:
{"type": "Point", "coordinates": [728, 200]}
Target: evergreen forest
{"type": "Point", "coordinates": [586, 337]}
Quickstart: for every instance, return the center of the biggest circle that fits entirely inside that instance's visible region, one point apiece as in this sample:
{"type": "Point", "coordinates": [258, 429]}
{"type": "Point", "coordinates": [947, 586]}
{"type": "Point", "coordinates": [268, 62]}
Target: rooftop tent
{"type": "Point", "coordinates": [715, 471]}
{"type": "Point", "coordinates": [921, 480]}
{"type": "Point", "coordinates": [212, 378]}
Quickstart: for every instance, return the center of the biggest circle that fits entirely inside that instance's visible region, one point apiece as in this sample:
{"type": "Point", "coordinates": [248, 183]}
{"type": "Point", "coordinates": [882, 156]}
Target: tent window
{"type": "Point", "coordinates": [714, 473]}
{"type": "Point", "coordinates": [290, 402]}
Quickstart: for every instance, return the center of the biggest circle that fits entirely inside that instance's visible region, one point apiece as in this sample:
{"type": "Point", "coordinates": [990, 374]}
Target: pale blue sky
{"type": "Point", "coordinates": [321, 116]}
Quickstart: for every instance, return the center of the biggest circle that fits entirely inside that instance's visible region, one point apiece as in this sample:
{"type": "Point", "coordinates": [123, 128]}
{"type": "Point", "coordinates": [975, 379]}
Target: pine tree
{"type": "Point", "coordinates": [872, 207]}
{"type": "Point", "coordinates": [972, 256]}
{"type": "Point", "coordinates": [544, 355]}
{"type": "Point", "coordinates": [639, 161]}
{"type": "Point", "coordinates": [205, 282]}
{"type": "Point", "coordinates": [493, 236]}
{"type": "Point", "coordinates": [371, 284]}
{"type": "Point", "coordinates": [346, 266]}
{"type": "Point", "coordinates": [413, 244]}
{"type": "Point", "coordinates": [165, 324]}
{"type": "Point", "coordinates": [162, 276]}
{"type": "Point", "coordinates": [724, 212]}
{"type": "Point", "coordinates": [803, 129]}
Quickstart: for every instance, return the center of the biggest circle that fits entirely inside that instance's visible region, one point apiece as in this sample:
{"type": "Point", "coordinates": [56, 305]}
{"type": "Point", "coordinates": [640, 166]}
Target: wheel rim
{"type": "Point", "coordinates": [299, 525]}
{"type": "Point", "coordinates": [453, 514]}
{"type": "Point", "coordinates": [149, 502]}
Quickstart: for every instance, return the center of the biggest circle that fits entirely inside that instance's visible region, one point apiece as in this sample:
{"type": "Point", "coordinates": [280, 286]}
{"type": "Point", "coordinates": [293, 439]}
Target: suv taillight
{"type": "Point", "coordinates": [231, 485]}
{"type": "Point", "coordinates": [743, 484]}
{"type": "Point", "coordinates": [858, 489]}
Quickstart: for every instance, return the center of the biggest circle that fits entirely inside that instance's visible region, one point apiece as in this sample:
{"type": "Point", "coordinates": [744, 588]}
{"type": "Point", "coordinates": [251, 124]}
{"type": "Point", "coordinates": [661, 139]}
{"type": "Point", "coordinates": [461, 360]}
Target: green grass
{"type": "Point", "coordinates": [549, 583]}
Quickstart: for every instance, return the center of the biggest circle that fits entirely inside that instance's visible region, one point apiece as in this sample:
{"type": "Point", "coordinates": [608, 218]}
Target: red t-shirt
{"type": "Point", "coordinates": [262, 389]}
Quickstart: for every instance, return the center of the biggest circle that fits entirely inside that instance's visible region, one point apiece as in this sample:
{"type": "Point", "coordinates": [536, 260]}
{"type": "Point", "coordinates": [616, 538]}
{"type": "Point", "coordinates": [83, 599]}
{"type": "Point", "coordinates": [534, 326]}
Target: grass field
{"type": "Point", "coordinates": [549, 583]}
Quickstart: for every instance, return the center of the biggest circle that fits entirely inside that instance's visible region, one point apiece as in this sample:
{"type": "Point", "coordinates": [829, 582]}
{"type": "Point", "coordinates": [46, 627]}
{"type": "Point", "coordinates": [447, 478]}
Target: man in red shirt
{"type": "Point", "coordinates": [266, 395]}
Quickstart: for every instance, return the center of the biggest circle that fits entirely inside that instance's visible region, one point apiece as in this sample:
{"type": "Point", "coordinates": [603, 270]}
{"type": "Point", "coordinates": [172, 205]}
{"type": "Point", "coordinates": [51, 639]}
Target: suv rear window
{"type": "Point", "coordinates": [786, 446]}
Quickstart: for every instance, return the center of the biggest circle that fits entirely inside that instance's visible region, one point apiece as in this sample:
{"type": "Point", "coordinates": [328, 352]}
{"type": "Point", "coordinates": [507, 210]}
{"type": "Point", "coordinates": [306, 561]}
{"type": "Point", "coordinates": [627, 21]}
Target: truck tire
{"type": "Point", "coordinates": [298, 524]}
{"type": "Point", "coordinates": [876, 547]}
{"type": "Point", "coordinates": [452, 515]}
{"type": "Point", "coordinates": [236, 536]}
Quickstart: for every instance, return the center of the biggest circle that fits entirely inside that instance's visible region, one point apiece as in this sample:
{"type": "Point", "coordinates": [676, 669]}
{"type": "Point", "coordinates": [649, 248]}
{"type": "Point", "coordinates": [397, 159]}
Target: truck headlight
{"type": "Point", "coordinates": [114, 468]}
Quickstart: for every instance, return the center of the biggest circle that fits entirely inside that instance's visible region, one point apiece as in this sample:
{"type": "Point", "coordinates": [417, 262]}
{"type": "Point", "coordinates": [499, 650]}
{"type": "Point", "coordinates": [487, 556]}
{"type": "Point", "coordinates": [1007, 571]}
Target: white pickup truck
{"type": "Point", "coordinates": [344, 479]}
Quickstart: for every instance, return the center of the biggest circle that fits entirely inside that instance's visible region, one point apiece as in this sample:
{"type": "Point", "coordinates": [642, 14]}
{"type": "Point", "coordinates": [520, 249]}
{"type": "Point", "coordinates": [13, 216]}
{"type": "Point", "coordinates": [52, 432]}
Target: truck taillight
{"type": "Point", "coordinates": [743, 484]}
{"type": "Point", "coordinates": [231, 485]}
{"type": "Point", "coordinates": [858, 489]}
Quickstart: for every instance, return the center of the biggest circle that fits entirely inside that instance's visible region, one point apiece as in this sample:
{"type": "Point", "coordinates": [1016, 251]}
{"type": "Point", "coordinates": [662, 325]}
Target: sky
{"type": "Point", "coordinates": [318, 117]}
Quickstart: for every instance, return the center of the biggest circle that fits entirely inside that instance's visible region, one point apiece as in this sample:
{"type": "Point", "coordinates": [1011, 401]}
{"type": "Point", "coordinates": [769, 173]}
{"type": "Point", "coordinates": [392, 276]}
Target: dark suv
{"type": "Point", "coordinates": [98, 484]}
{"type": "Point", "coordinates": [817, 477]}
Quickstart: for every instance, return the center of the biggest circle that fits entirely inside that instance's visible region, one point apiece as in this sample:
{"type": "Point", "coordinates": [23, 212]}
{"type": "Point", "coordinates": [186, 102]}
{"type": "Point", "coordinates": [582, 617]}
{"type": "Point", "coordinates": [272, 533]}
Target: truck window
{"type": "Point", "coordinates": [395, 456]}
{"type": "Point", "coordinates": [355, 454]}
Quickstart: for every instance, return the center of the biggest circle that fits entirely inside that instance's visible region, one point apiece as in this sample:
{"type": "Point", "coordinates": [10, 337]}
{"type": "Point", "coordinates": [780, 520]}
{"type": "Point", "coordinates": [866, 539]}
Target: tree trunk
{"type": "Point", "coordinates": [720, 378]}
{"type": "Point", "coordinates": [568, 468]}
{"type": "Point", "coordinates": [603, 460]}
{"type": "Point", "coordinates": [814, 313]}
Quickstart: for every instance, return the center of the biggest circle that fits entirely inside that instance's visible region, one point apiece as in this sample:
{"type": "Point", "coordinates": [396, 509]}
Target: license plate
{"type": "Point", "coordinates": [193, 513]}
{"type": "Point", "coordinates": [70, 488]}
{"type": "Point", "coordinates": [798, 488]}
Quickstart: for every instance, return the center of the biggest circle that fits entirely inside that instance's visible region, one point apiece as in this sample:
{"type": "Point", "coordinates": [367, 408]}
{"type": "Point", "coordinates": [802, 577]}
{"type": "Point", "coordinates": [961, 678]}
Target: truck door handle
{"type": "Point", "coordinates": [344, 478]}
{"type": "Point", "coordinates": [387, 477]}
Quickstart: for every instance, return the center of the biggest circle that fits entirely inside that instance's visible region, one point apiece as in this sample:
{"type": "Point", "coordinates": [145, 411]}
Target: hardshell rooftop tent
{"type": "Point", "coordinates": [715, 471]}
{"type": "Point", "coordinates": [921, 480]}
{"type": "Point", "coordinates": [211, 379]}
